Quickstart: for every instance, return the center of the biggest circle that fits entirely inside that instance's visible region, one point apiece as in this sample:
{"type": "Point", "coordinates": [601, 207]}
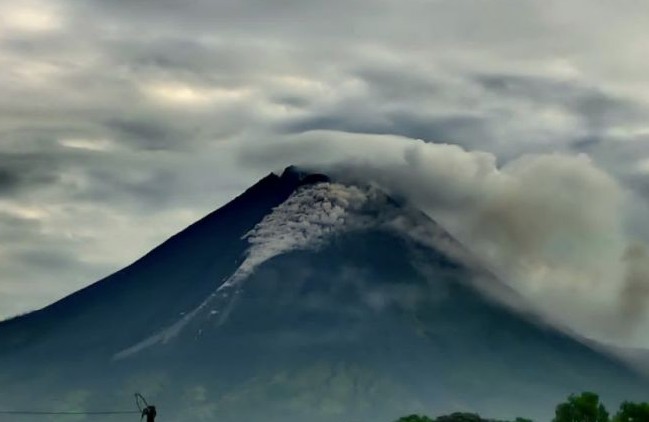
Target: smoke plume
{"type": "Point", "coordinates": [550, 225]}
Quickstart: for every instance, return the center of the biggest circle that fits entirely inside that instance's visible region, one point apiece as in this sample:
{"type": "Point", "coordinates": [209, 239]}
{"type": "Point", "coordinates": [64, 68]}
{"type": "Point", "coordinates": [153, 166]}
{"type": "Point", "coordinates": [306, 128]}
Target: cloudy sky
{"type": "Point", "coordinates": [123, 121]}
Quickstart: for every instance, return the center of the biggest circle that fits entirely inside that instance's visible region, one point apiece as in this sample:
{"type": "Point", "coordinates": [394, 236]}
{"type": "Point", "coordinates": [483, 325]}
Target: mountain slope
{"type": "Point", "coordinates": [167, 281]}
{"type": "Point", "coordinates": [303, 298]}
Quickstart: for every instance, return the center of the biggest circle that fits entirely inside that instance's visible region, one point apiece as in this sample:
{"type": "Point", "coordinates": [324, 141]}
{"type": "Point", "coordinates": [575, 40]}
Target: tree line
{"type": "Point", "coordinates": [584, 407]}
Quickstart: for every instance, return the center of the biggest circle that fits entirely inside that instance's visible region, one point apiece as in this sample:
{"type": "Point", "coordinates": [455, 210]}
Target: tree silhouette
{"type": "Point", "coordinates": [585, 407]}
{"type": "Point", "coordinates": [415, 418]}
{"type": "Point", "coordinates": [632, 412]}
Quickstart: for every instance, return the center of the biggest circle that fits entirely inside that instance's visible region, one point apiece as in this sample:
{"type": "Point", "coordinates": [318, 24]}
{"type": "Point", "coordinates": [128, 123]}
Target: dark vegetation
{"type": "Point", "coordinates": [585, 407]}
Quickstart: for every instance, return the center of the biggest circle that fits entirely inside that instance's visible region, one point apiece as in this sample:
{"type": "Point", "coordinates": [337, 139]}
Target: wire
{"type": "Point", "coordinates": [138, 398]}
{"type": "Point", "coordinates": [35, 412]}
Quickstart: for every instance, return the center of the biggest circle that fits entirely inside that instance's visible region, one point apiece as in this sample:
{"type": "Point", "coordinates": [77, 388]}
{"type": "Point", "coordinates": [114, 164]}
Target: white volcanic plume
{"type": "Point", "coordinates": [552, 225]}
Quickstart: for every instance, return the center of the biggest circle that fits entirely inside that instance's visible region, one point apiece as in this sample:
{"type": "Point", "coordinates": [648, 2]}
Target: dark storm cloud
{"type": "Point", "coordinates": [8, 180]}
{"type": "Point", "coordinates": [20, 172]}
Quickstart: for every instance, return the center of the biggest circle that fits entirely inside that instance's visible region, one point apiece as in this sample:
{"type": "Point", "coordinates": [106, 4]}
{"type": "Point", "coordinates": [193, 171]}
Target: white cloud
{"type": "Point", "coordinates": [87, 144]}
{"type": "Point", "coordinates": [181, 94]}
{"type": "Point", "coordinates": [30, 16]}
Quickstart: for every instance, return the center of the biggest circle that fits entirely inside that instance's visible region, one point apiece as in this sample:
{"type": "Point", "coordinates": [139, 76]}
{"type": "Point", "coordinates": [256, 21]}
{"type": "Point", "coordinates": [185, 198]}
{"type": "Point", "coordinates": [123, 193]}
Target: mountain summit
{"type": "Point", "coordinates": [303, 298]}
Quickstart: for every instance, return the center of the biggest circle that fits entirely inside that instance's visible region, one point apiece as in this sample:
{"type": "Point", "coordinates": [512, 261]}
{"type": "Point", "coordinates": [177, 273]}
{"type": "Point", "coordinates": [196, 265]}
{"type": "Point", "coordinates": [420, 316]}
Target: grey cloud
{"type": "Point", "coordinates": [17, 229]}
{"type": "Point", "coordinates": [148, 134]}
{"type": "Point", "coordinates": [25, 171]}
{"type": "Point", "coordinates": [131, 118]}
{"type": "Point", "coordinates": [226, 63]}
{"type": "Point", "coordinates": [599, 109]}
{"type": "Point", "coordinates": [8, 180]}
{"type": "Point", "coordinates": [383, 22]}
{"type": "Point", "coordinates": [586, 143]}
{"type": "Point", "coordinates": [403, 102]}
{"type": "Point", "coordinates": [145, 190]}
{"type": "Point", "coordinates": [640, 184]}
{"type": "Point", "coordinates": [47, 259]}
{"type": "Point", "coordinates": [635, 294]}
{"type": "Point", "coordinates": [622, 156]}
{"type": "Point", "coordinates": [394, 83]}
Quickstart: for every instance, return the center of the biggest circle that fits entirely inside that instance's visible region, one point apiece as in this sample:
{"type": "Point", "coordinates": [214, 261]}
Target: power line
{"type": "Point", "coordinates": [139, 402]}
{"type": "Point", "coordinates": [35, 412]}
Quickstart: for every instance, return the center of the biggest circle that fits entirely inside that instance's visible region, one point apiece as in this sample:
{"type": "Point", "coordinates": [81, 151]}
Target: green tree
{"type": "Point", "coordinates": [632, 412]}
{"type": "Point", "coordinates": [414, 418]}
{"type": "Point", "coordinates": [460, 417]}
{"type": "Point", "coordinates": [585, 407]}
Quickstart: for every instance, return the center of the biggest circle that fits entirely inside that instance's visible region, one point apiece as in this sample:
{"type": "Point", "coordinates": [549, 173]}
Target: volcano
{"type": "Point", "coordinates": [305, 298]}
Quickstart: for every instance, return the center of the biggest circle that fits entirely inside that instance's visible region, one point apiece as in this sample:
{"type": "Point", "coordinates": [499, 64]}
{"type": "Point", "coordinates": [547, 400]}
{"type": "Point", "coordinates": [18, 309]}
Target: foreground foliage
{"type": "Point", "coordinates": [632, 412]}
{"type": "Point", "coordinates": [585, 407]}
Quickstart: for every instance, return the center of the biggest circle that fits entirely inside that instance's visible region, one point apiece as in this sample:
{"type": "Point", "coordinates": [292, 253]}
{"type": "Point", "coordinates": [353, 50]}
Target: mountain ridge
{"type": "Point", "coordinates": [341, 302]}
{"type": "Point", "coordinates": [280, 187]}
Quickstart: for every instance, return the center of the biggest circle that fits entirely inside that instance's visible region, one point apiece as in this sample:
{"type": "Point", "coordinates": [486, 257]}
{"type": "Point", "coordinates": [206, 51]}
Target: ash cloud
{"type": "Point", "coordinates": [551, 225]}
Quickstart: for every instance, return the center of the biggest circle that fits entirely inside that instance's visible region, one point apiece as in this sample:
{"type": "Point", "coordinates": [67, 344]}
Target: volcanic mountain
{"type": "Point", "coordinates": [305, 298]}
